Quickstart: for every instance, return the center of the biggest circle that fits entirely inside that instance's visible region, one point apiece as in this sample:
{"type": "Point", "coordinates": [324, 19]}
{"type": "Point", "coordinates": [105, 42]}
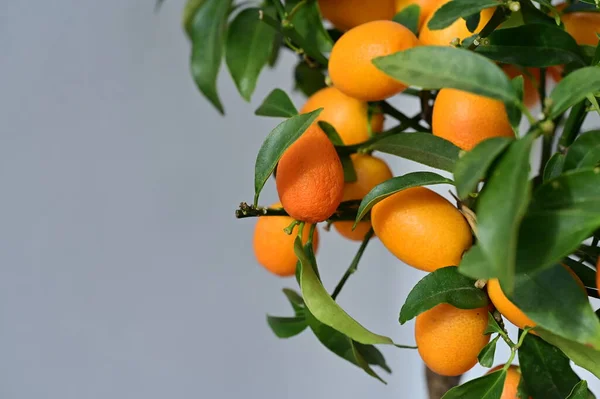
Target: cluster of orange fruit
{"type": "Point", "coordinates": [417, 225]}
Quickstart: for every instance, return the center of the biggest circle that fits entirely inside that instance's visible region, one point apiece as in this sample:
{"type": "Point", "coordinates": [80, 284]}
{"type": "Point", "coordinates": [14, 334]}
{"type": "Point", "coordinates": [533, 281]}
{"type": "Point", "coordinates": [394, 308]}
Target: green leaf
{"type": "Point", "coordinates": [357, 354]}
{"type": "Point", "coordinates": [585, 274]}
{"type": "Point", "coordinates": [533, 15]}
{"type": "Point", "coordinates": [249, 47]}
{"type": "Point", "coordinates": [207, 33]}
{"type": "Point", "coordinates": [277, 104]}
{"type": "Point", "coordinates": [493, 326]}
{"type": "Point", "coordinates": [522, 391]}
{"type": "Point", "coordinates": [489, 386]}
{"type": "Point", "coordinates": [436, 67]}
{"type": "Point", "coordinates": [445, 285]}
{"type": "Point", "coordinates": [472, 167]}
{"type": "Point", "coordinates": [286, 327]}
{"type": "Point", "coordinates": [334, 137]}
{"type": "Point", "coordinates": [309, 80]}
{"type": "Point", "coordinates": [514, 111]}
{"type": "Point", "coordinates": [472, 22]}
{"type": "Point", "coordinates": [574, 88]}
{"type": "Point", "coordinates": [295, 300]}
{"type": "Point", "coordinates": [554, 167]}
{"type": "Point", "coordinates": [307, 21]}
{"type": "Point", "coordinates": [284, 135]}
{"type": "Point", "coordinates": [423, 148]}
{"type": "Point", "coordinates": [486, 356]}
{"type": "Point", "coordinates": [500, 210]}
{"type": "Point", "coordinates": [532, 45]}
{"type": "Point", "coordinates": [325, 309]}
{"type": "Point", "coordinates": [584, 152]}
{"type": "Point", "coordinates": [394, 185]}
{"type": "Point", "coordinates": [474, 264]}
{"type": "Point", "coordinates": [580, 391]}
{"type": "Point", "coordinates": [453, 10]}
{"type": "Point", "coordinates": [563, 213]}
{"type": "Point", "coordinates": [189, 11]}
{"type": "Point", "coordinates": [546, 369]}
{"type": "Point", "coordinates": [409, 17]}
{"type": "Point", "coordinates": [581, 355]}
{"type": "Point", "coordinates": [554, 300]}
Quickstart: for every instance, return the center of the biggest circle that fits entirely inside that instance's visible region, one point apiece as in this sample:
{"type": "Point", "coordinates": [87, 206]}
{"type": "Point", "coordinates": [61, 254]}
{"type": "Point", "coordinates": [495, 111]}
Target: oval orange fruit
{"type": "Point", "coordinates": [584, 26]}
{"type": "Point", "coordinates": [346, 14]}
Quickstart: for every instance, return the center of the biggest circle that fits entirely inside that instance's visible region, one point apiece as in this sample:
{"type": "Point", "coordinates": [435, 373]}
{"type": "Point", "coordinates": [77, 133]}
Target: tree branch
{"type": "Point", "coordinates": [347, 211]}
{"type": "Point", "coordinates": [438, 385]}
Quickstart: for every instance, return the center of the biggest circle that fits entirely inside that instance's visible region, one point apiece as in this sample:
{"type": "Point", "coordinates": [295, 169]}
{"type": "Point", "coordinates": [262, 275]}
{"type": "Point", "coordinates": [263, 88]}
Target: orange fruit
{"type": "Point", "coordinates": [511, 383]}
{"type": "Point", "coordinates": [349, 116]}
{"type": "Point", "coordinates": [310, 177]}
{"type": "Point", "coordinates": [449, 339]}
{"type": "Point", "coordinates": [273, 248]}
{"type": "Point", "coordinates": [555, 72]}
{"type": "Point", "coordinates": [583, 26]}
{"type": "Point", "coordinates": [346, 14]}
{"type": "Point", "coordinates": [370, 171]}
{"type": "Point", "coordinates": [598, 274]}
{"type": "Point", "coordinates": [427, 8]}
{"type": "Point", "coordinates": [466, 119]}
{"type": "Point", "coordinates": [350, 66]}
{"type": "Point", "coordinates": [509, 309]}
{"type": "Point", "coordinates": [443, 37]}
{"type": "Point", "coordinates": [422, 229]}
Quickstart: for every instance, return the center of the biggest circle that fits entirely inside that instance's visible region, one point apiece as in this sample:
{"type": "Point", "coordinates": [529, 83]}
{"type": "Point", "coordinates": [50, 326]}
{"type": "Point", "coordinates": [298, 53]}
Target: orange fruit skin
{"type": "Point", "coordinates": [598, 274]}
{"type": "Point", "coordinates": [449, 339]}
{"type": "Point", "coordinates": [531, 82]}
{"type": "Point", "coordinates": [466, 119]}
{"type": "Point", "coordinates": [273, 248]}
{"type": "Point", "coordinates": [346, 14]}
{"type": "Point", "coordinates": [349, 116]}
{"type": "Point", "coordinates": [310, 177]}
{"type": "Point", "coordinates": [370, 171]}
{"type": "Point", "coordinates": [427, 8]}
{"type": "Point", "coordinates": [422, 229]}
{"type": "Point", "coordinates": [350, 66]}
{"type": "Point", "coordinates": [443, 37]}
{"type": "Point", "coordinates": [509, 309]}
{"type": "Point", "coordinates": [511, 383]}
{"type": "Point", "coordinates": [583, 26]}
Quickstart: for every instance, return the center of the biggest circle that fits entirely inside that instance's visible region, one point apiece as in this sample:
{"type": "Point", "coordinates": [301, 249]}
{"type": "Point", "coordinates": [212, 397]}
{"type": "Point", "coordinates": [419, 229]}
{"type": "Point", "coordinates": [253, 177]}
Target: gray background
{"type": "Point", "coordinates": [123, 272]}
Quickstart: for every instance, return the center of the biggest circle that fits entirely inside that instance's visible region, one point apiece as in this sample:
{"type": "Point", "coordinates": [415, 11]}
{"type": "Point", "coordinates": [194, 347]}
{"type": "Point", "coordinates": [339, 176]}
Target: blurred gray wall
{"type": "Point", "coordinates": [123, 273]}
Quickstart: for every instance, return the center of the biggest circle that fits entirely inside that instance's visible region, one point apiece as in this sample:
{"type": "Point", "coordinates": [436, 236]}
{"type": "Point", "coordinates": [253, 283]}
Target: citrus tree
{"type": "Point", "coordinates": [520, 243]}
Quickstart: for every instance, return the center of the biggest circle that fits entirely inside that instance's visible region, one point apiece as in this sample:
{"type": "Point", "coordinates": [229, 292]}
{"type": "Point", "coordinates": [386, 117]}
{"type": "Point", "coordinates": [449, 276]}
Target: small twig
{"type": "Point", "coordinates": [388, 109]}
{"type": "Point", "coordinates": [354, 265]}
{"type": "Point", "coordinates": [426, 108]}
{"type": "Point", "coordinates": [500, 15]}
{"type": "Point", "coordinates": [347, 211]}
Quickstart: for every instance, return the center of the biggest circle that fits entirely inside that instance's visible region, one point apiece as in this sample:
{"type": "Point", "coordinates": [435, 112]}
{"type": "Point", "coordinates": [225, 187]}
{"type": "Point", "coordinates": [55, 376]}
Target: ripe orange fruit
{"type": "Point", "coordinates": [449, 339]}
{"type": "Point", "coordinates": [346, 14]}
{"type": "Point", "coordinates": [349, 116]}
{"type": "Point", "coordinates": [350, 66]}
{"type": "Point", "coordinates": [509, 309]}
{"type": "Point", "coordinates": [273, 248]}
{"type": "Point", "coordinates": [511, 383]}
{"type": "Point", "coordinates": [427, 8]}
{"type": "Point", "coordinates": [583, 26]}
{"type": "Point", "coordinates": [310, 177]}
{"type": "Point", "coordinates": [466, 119]}
{"type": "Point", "coordinates": [370, 171]}
{"type": "Point", "coordinates": [531, 82]}
{"type": "Point", "coordinates": [443, 37]}
{"type": "Point", "coordinates": [422, 229]}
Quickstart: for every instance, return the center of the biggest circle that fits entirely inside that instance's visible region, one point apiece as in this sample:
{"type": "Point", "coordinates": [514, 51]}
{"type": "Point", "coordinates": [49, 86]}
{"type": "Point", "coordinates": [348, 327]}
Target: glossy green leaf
{"type": "Point", "coordinates": [584, 152]}
{"type": "Point", "coordinates": [325, 309]}
{"type": "Point", "coordinates": [447, 14]}
{"type": "Point", "coordinates": [309, 80]}
{"type": "Point", "coordinates": [423, 148]}
{"type": "Point", "coordinates": [249, 47]}
{"type": "Point", "coordinates": [581, 355]}
{"type": "Point", "coordinates": [472, 22]}
{"type": "Point", "coordinates": [436, 67]}
{"type": "Point", "coordinates": [513, 110]}
{"type": "Point", "coordinates": [580, 391]}
{"type": "Point", "coordinates": [553, 300]}
{"type": "Point", "coordinates": [533, 45]}
{"type": "Point", "coordinates": [573, 124]}
{"type": "Point", "coordinates": [522, 391]}
{"type": "Point", "coordinates": [554, 167]}
{"type": "Point", "coordinates": [372, 355]}
{"type": "Point", "coordinates": [500, 210]}
{"type": "Point", "coordinates": [563, 213]}
{"type": "Point", "coordinates": [284, 135]}
{"type": "Point", "coordinates": [546, 369]}
{"type": "Point", "coordinates": [533, 15]}
{"type": "Point", "coordinates": [409, 17]}
{"type": "Point", "coordinates": [189, 11]}
{"type": "Point", "coordinates": [585, 274]}
{"type": "Point", "coordinates": [395, 185]}
{"type": "Point", "coordinates": [489, 386]}
{"type": "Point", "coordinates": [487, 354]}
{"type": "Point", "coordinates": [207, 33]}
{"type": "Point", "coordinates": [277, 104]}
{"type": "Point", "coordinates": [307, 21]}
{"type": "Point", "coordinates": [475, 264]}
{"type": "Point", "coordinates": [286, 327]}
{"type": "Point", "coordinates": [473, 166]}
{"type": "Point", "coordinates": [493, 326]}
{"type": "Point", "coordinates": [334, 137]}
{"type": "Point", "coordinates": [574, 88]}
{"type": "Point", "coordinates": [445, 285]}
{"type": "Point", "coordinates": [295, 300]}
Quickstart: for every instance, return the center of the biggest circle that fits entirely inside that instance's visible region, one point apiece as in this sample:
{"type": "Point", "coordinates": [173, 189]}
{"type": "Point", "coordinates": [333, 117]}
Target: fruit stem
{"type": "Point", "coordinates": [279, 8]}
{"type": "Point", "coordinates": [354, 265]}
{"type": "Point", "coordinates": [295, 9]}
